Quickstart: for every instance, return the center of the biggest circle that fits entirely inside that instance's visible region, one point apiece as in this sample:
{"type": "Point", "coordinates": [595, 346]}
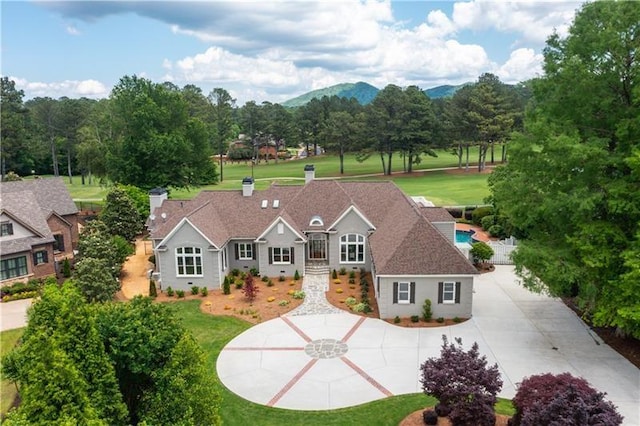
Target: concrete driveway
{"type": "Point", "coordinates": [328, 361]}
{"type": "Point", "coordinates": [14, 314]}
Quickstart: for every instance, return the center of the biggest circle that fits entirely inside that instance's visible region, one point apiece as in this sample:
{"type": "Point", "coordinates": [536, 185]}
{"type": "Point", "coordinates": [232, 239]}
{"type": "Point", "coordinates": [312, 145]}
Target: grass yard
{"type": "Point", "coordinates": [8, 340]}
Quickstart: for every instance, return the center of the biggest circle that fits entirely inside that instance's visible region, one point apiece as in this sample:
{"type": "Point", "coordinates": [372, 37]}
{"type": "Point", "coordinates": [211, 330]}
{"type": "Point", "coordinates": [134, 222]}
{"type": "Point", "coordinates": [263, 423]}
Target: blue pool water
{"type": "Point", "coordinates": [464, 237]}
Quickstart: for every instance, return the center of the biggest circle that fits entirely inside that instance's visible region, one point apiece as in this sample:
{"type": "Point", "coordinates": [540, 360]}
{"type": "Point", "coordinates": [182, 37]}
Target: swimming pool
{"type": "Point", "coordinates": [464, 237]}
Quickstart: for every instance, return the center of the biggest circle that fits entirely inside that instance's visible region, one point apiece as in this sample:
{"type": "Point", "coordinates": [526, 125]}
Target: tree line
{"type": "Point", "coordinates": [158, 134]}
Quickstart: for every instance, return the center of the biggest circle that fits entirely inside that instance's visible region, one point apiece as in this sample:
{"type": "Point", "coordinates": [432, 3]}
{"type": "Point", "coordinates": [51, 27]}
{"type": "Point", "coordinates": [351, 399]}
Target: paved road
{"type": "Point", "coordinates": [14, 314]}
{"type": "Point", "coordinates": [327, 361]}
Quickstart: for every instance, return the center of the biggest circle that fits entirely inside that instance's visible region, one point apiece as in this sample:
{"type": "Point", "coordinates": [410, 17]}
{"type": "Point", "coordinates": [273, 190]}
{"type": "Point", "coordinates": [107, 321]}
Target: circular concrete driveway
{"type": "Point", "coordinates": [327, 361]}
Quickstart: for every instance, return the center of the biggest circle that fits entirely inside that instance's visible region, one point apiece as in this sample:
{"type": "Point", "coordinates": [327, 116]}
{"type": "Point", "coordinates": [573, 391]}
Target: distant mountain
{"type": "Point", "coordinates": [445, 91]}
{"type": "Point", "coordinates": [362, 92]}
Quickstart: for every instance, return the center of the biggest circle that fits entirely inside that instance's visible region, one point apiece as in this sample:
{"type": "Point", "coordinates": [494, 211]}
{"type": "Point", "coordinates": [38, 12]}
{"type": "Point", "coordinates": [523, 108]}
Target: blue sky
{"type": "Point", "coordinates": [271, 50]}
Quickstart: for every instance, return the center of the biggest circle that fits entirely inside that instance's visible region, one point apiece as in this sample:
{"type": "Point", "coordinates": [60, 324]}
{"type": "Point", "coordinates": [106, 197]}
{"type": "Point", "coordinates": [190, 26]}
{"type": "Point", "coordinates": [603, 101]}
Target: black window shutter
{"type": "Point", "coordinates": [440, 285]}
{"type": "Point", "coordinates": [253, 250]}
{"type": "Point", "coordinates": [35, 258]}
{"type": "Point", "coordinates": [293, 259]}
{"type": "Point", "coordinates": [10, 230]}
{"type": "Point", "coordinates": [412, 292]}
{"type": "Point", "coordinates": [270, 255]}
{"type": "Point", "coordinates": [458, 292]}
{"type": "Point", "coordinates": [45, 257]}
{"type": "Point", "coordinates": [395, 292]}
{"type": "Point", "coordinates": [237, 251]}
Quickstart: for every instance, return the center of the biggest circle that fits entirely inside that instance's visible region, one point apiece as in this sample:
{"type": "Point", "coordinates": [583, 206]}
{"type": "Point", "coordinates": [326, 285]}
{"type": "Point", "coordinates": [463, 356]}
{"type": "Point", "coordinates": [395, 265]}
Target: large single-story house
{"type": "Point", "coordinates": [409, 249]}
{"type": "Point", "coordinates": [38, 228]}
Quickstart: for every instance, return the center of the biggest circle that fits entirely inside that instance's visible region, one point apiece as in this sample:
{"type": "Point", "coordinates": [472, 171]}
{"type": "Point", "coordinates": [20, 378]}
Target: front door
{"type": "Point", "coordinates": [317, 247]}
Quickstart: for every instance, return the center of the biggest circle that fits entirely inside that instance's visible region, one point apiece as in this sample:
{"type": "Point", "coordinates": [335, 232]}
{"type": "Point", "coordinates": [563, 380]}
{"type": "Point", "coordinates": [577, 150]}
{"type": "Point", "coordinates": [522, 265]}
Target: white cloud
{"type": "Point", "coordinates": [72, 30]}
{"type": "Point", "coordinates": [522, 64]}
{"type": "Point", "coordinates": [69, 88]}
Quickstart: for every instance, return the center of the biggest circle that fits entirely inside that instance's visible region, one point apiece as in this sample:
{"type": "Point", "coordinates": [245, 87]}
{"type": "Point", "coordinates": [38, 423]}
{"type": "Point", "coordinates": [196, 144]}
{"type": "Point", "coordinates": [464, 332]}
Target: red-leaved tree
{"type": "Point", "coordinates": [462, 382]}
{"type": "Point", "coordinates": [249, 289]}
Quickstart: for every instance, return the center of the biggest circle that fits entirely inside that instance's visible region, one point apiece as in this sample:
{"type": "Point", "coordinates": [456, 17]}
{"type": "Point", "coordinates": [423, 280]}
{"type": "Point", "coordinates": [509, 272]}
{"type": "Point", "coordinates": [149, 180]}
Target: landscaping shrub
{"type": "Point", "coordinates": [204, 292]}
{"type": "Point", "coordinates": [468, 213]}
{"type": "Point", "coordinates": [226, 286]}
{"type": "Point", "coordinates": [455, 212]}
{"type": "Point", "coordinates": [481, 252]}
{"type": "Point", "coordinates": [235, 272]}
{"type": "Point", "coordinates": [195, 290]}
{"type": "Point", "coordinates": [462, 381]}
{"type": "Point", "coordinates": [350, 301]}
{"type": "Point", "coordinates": [430, 417]}
{"type": "Point", "coordinates": [427, 313]}
{"type": "Point", "coordinates": [480, 212]}
{"type": "Point", "coordinates": [240, 283]}
{"type": "Point", "coordinates": [66, 268]}
{"type": "Point", "coordinates": [352, 275]}
{"type": "Point", "coordinates": [457, 319]}
{"type": "Point", "coordinates": [488, 221]}
{"type": "Point", "coordinates": [169, 291]}
{"type": "Point", "coordinates": [281, 278]}
{"type": "Point", "coordinates": [396, 320]}
{"type": "Point", "coordinates": [415, 318]}
{"type": "Point", "coordinates": [265, 278]}
{"type": "Point", "coordinates": [497, 231]}
{"type": "Point", "coordinates": [352, 280]}
{"type": "Point", "coordinates": [283, 303]}
{"type": "Point", "coordinates": [180, 294]}
{"type": "Point", "coordinates": [564, 397]}
{"type": "Point", "coordinates": [254, 272]}
{"type": "Point", "coordinates": [296, 275]}
{"type": "Point", "coordinates": [440, 320]}
{"type": "Point", "coordinates": [343, 271]}
{"type": "Point", "coordinates": [153, 292]}
{"type": "Point", "coordinates": [334, 274]}
{"type": "Point", "coordinates": [299, 294]}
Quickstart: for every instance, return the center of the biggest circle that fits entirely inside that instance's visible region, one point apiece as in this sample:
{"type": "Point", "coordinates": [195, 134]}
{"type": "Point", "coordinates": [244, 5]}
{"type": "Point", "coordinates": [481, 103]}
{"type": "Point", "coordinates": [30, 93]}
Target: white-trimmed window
{"type": "Point", "coordinates": [224, 259]}
{"type": "Point", "coordinates": [352, 248]}
{"type": "Point", "coordinates": [189, 261]}
{"type": "Point", "coordinates": [403, 293]}
{"type": "Point", "coordinates": [245, 251]}
{"type": "Point", "coordinates": [448, 292]}
{"type": "Point", "coordinates": [40, 257]}
{"type": "Point", "coordinates": [280, 255]}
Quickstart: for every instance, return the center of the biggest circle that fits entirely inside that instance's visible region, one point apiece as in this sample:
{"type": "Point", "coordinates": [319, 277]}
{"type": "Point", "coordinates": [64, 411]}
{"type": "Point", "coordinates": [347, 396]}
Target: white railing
{"type": "Point", "coordinates": [502, 251]}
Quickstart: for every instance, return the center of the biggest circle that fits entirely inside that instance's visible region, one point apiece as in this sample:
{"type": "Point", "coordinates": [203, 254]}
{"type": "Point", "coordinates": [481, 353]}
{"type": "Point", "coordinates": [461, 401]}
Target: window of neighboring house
{"type": "Point", "coordinates": [448, 292]}
{"type": "Point", "coordinates": [189, 261]}
{"type": "Point", "coordinates": [58, 245]}
{"type": "Point", "coordinates": [40, 257]}
{"type": "Point", "coordinates": [14, 267]}
{"type": "Point", "coordinates": [280, 255]}
{"type": "Point", "coordinates": [352, 248]}
{"type": "Point", "coordinates": [245, 251]}
{"type": "Point", "coordinates": [6, 228]}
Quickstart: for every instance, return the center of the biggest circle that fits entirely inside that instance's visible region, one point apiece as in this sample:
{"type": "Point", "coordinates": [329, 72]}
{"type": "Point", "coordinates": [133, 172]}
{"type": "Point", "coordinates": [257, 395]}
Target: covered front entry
{"type": "Point", "coordinates": [317, 247]}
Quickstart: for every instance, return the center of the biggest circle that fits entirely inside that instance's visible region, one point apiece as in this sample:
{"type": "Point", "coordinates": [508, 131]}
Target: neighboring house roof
{"type": "Point", "coordinates": [404, 242]}
{"type": "Point", "coordinates": [23, 207]}
{"type": "Point", "coordinates": [51, 194]}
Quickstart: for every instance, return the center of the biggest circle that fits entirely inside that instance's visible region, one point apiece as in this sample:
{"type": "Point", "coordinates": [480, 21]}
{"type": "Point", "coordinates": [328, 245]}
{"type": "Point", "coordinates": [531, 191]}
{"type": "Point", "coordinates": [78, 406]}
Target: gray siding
{"type": "Point", "coordinates": [352, 223]}
{"type": "Point", "coordinates": [426, 288]}
{"type": "Point", "coordinates": [187, 236]}
{"type": "Point", "coordinates": [287, 239]}
{"type": "Point", "coordinates": [448, 229]}
{"type": "Point", "coordinates": [242, 265]}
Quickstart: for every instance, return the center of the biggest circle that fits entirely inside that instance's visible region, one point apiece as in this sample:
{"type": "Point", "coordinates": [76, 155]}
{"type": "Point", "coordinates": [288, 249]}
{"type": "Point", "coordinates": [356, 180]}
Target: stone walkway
{"type": "Point", "coordinates": [315, 302]}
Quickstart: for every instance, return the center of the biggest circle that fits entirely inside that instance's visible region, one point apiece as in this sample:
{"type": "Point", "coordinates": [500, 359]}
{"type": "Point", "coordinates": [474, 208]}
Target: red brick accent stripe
{"type": "Point", "coordinates": [353, 329]}
{"type": "Point", "coordinates": [291, 383]}
{"type": "Point", "coordinates": [296, 329]}
{"type": "Point", "coordinates": [367, 377]}
{"type": "Point", "coordinates": [255, 348]}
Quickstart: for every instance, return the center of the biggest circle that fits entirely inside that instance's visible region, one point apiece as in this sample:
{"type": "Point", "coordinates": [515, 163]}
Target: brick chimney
{"type": "Point", "coordinates": [309, 173]}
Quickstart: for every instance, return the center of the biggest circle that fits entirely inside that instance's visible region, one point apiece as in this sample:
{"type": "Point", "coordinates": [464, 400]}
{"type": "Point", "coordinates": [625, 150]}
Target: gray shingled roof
{"type": "Point", "coordinates": [23, 207]}
{"type": "Point", "coordinates": [404, 243]}
{"type": "Point", "coordinates": [51, 193]}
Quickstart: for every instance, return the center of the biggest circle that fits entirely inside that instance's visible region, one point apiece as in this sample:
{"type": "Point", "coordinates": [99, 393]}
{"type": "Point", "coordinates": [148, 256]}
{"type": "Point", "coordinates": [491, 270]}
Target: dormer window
{"type": "Point", "coordinates": [264, 204]}
{"type": "Point", "coordinates": [316, 221]}
{"type": "Point", "coordinates": [276, 204]}
{"type": "Point", "coordinates": [6, 228]}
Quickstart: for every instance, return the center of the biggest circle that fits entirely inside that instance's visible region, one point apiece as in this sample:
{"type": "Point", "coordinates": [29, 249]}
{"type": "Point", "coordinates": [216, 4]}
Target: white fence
{"type": "Point", "coordinates": [502, 251]}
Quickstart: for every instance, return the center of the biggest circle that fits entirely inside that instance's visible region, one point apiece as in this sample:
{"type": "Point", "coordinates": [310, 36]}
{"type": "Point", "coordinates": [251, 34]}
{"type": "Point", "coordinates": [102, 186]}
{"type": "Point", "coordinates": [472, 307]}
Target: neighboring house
{"type": "Point", "coordinates": [38, 228]}
{"type": "Point", "coordinates": [325, 223]}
